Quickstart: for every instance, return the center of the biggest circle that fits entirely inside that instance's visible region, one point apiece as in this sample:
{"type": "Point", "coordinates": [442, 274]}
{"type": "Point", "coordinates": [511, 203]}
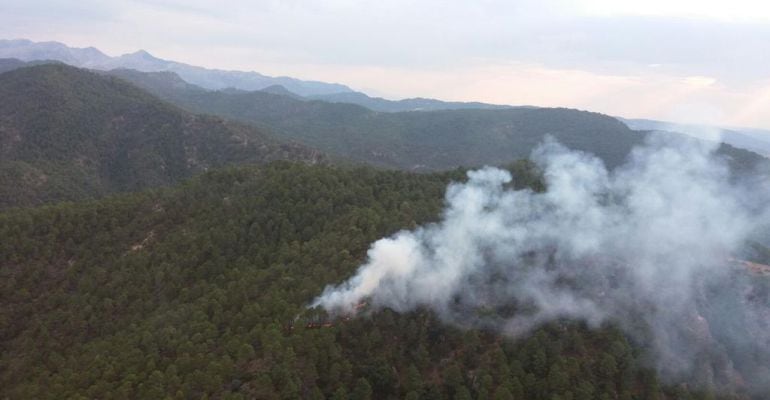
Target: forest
{"type": "Point", "coordinates": [150, 252]}
{"type": "Point", "coordinates": [71, 134]}
{"type": "Point", "coordinates": [200, 291]}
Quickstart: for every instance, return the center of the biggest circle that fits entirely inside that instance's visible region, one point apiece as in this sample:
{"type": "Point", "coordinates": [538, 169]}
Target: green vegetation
{"type": "Point", "coordinates": [69, 134]}
{"type": "Point", "coordinates": [199, 291]}
{"type": "Point", "coordinates": [420, 140]}
{"type": "Point", "coordinates": [193, 292]}
{"type": "Point", "coordinates": [409, 140]}
{"type": "Point", "coordinates": [9, 64]}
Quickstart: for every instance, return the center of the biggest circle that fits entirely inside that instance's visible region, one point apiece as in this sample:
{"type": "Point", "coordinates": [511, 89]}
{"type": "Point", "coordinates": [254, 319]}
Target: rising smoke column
{"type": "Point", "coordinates": [651, 239]}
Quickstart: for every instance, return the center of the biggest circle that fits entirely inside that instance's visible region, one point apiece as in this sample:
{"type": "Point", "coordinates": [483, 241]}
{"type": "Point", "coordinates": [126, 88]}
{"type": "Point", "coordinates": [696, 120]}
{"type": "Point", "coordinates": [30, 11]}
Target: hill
{"type": "Point", "coordinates": [424, 140]}
{"type": "Point", "coordinates": [755, 140]}
{"type": "Point", "coordinates": [278, 89]}
{"type": "Point", "coordinates": [409, 140]}
{"type": "Point", "coordinates": [415, 104]}
{"type": "Point", "coordinates": [68, 134]}
{"type": "Point", "coordinates": [9, 64]}
{"type": "Point", "coordinates": [200, 291]}
{"type": "Point", "coordinates": [93, 58]}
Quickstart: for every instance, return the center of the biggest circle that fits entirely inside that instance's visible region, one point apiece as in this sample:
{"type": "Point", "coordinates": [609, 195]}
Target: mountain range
{"type": "Point", "coordinates": [415, 140]}
{"type": "Point", "coordinates": [415, 104]}
{"type": "Point", "coordinates": [92, 58]}
{"type": "Point", "coordinates": [62, 141]}
{"type": "Point", "coordinates": [70, 133]}
{"type": "Point", "coordinates": [141, 60]}
{"type": "Point", "coordinates": [756, 140]}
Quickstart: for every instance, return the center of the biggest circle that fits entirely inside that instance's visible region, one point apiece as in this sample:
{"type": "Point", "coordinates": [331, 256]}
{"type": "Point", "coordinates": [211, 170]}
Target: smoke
{"type": "Point", "coordinates": [647, 246]}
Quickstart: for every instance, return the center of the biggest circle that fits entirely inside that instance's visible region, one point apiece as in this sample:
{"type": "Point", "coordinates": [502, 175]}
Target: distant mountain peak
{"type": "Point", "coordinates": [281, 90]}
{"type": "Point", "coordinates": [27, 50]}
{"type": "Point", "coordinates": [141, 55]}
{"type": "Point", "coordinates": [212, 79]}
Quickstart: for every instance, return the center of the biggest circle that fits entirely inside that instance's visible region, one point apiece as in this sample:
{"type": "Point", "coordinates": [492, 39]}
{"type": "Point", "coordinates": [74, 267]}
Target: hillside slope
{"type": "Point", "coordinates": [201, 291]}
{"type": "Point", "coordinates": [410, 140]}
{"type": "Point", "coordinates": [420, 140]}
{"type": "Point", "coordinates": [68, 134]}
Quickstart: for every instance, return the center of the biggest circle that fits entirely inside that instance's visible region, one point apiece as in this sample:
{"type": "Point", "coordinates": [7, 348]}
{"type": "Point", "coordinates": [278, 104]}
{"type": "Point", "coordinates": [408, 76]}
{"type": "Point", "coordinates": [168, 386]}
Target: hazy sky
{"type": "Point", "coordinates": [685, 60]}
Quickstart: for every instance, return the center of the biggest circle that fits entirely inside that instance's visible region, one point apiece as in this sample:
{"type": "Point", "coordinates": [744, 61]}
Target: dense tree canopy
{"type": "Point", "coordinates": [200, 291]}
{"type": "Point", "coordinates": [417, 140]}
{"type": "Point", "coordinates": [71, 134]}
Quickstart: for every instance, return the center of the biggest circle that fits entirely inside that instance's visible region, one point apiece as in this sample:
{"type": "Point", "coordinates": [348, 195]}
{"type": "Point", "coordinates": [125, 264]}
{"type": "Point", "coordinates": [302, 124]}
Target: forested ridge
{"type": "Point", "coordinates": [422, 140]}
{"type": "Point", "coordinates": [417, 140]}
{"type": "Point", "coordinates": [199, 291]}
{"type": "Point", "coordinates": [71, 134]}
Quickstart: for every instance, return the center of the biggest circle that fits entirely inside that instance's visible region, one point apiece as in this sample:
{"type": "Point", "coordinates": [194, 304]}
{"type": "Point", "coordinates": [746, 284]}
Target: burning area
{"type": "Point", "coordinates": [645, 246]}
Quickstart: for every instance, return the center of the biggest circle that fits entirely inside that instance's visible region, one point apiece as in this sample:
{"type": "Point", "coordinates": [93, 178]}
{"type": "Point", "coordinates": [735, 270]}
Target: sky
{"type": "Point", "coordinates": [692, 61]}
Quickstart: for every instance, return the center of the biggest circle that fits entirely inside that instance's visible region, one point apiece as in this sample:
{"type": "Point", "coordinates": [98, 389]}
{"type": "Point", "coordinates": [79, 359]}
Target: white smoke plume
{"type": "Point", "coordinates": [647, 246]}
